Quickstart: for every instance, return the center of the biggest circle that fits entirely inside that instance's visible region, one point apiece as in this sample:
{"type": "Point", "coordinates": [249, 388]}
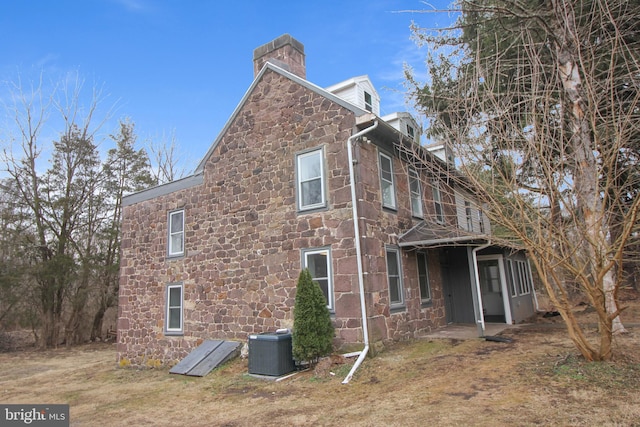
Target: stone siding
{"type": "Point", "coordinates": [244, 236]}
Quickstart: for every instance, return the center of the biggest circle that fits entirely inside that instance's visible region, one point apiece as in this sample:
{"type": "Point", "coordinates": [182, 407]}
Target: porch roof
{"type": "Point", "coordinates": [430, 234]}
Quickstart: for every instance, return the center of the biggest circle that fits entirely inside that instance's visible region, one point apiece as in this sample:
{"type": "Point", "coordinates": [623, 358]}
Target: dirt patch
{"type": "Point", "coordinates": [537, 379]}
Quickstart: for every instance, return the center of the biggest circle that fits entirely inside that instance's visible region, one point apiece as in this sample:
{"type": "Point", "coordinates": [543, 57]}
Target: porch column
{"type": "Point", "coordinates": [477, 307]}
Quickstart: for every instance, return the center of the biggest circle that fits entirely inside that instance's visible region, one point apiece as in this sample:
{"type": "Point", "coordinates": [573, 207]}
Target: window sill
{"type": "Point", "coordinates": [312, 210]}
{"type": "Point", "coordinates": [398, 309]}
{"type": "Point", "coordinates": [174, 334]}
{"type": "Point", "coordinates": [389, 209]}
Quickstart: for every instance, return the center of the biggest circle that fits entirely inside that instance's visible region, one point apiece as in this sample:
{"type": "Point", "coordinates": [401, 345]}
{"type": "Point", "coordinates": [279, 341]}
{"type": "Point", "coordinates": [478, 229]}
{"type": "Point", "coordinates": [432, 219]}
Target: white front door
{"type": "Point", "coordinates": [495, 299]}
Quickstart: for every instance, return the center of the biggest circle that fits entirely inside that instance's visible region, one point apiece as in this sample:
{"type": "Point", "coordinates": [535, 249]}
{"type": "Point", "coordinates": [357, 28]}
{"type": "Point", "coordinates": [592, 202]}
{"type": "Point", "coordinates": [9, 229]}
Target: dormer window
{"type": "Point", "coordinates": [368, 104]}
{"type": "Point", "coordinates": [411, 132]}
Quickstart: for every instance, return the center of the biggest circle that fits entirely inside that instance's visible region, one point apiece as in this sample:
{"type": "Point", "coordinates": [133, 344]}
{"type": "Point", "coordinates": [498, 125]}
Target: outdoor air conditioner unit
{"type": "Point", "coordinates": [271, 354]}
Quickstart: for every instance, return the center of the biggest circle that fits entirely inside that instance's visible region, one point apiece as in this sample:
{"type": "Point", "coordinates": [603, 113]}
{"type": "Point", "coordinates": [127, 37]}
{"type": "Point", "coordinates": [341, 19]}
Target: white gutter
{"type": "Point", "coordinates": [474, 253]}
{"type": "Point", "coordinates": [459, 239]}
{"type": "Point", "coordinates": [356, 229]}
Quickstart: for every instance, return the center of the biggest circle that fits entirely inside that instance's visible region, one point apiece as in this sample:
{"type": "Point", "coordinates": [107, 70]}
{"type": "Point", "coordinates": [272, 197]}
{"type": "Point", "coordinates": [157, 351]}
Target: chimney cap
{"type": "Point", "coordinates": [285, 51]}
{"type": "Point", "coordinates": [277, 43]}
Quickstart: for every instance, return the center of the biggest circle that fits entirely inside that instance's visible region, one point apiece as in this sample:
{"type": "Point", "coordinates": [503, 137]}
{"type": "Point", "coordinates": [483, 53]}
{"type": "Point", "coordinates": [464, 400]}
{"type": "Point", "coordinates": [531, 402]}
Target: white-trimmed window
{"type": "Point", "coordinates": [368, 102]}
{"type": "Point", "coordinates": [411, 132]}
{"type": "Point", "coordinates": [468, 215]}
{"type": "Point", "coordinates": [386, 182]}
{"type": "Point", "coordinates": [437, 202]}
{"type": "Point", "coordinates": [525, 278]}
{"type": "Point", "coordinates": [521, 276]}
{"type": "Point", "coordinates": [416, 193]}
{"type": "Point", "coordinates": [517, 279]}
{"type": "Point", "coordinates": [513, 287]}
{"type": "Point", "coordinates": [176, 233]}
{"type": "Point", "coordinates": [174, 309]}
{"type": "Point", "coordinates": [394, 277]}
{"type": "Point", "coordinates": [310, 175]}
{"type": "Point", "coordinates": [423, 277]}
{"type": "Point", "coordinates": [318, 262]}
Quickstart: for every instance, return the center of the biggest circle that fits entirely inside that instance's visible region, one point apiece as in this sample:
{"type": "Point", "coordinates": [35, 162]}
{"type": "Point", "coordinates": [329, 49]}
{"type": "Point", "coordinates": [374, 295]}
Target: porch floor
{"type": "Point", "coordinates": [466, 331]}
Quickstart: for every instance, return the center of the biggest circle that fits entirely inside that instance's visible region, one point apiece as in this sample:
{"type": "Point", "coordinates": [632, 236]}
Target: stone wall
{"type": "Point", "coordinates": [244, 236]}
{"type": "Point", "coordinates": [381, 228]}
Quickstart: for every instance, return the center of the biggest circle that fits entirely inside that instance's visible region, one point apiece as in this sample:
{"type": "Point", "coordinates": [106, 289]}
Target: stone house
{"type": "Point", "coordinates": [216, 255]}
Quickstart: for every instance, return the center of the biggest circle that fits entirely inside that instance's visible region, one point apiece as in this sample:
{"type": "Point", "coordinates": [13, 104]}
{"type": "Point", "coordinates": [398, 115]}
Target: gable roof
{"type": "Point", "coordinates": [196, 178]}
{"type": "Point", "coordinates": [273, 67]}
{"type": "Point", "coordinates": [163, 189]}
{"type": "Point", "coordinates": [364, 79]}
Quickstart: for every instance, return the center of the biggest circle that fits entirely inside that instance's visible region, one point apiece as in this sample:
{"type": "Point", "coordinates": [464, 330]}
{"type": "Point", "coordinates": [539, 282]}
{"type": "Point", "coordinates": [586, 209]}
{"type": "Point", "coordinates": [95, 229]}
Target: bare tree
{"type": "Point", "coordinates": [166, 161]}
{"type": "Point", "coordinates": [539, 102]}
{"type": "Point", "coordinates": [57, 199]}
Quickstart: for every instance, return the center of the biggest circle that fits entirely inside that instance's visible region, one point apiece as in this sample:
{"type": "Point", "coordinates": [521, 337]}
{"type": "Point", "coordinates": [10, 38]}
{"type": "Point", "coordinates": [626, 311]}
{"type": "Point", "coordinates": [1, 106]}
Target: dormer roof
{"type": "Point", "coordinates": [358, 91]}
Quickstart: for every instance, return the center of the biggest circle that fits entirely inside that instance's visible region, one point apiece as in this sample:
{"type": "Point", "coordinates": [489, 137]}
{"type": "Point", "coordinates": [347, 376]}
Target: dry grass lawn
{"type": "Point", "coordinates": [538, 379]}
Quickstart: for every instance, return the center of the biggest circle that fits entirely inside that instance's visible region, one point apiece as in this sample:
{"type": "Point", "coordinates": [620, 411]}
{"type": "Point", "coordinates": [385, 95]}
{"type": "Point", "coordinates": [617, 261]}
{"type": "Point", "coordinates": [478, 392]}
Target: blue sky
{"type": "Point", "coordinates": [181, 67]}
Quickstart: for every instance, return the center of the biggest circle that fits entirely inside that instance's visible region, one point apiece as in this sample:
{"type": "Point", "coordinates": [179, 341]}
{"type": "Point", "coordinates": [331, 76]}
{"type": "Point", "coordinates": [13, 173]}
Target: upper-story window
{"type": "Point", "coordinates": [310, 175]}
{"type": "Point", "coordinates": [437, 202]}
{"type": "Point", "coordinates": [176, 233]}
{"type": "Point", "coordinates": [468, 215]}
{"type": "Point", "coordinates": [416, 193]}
{"type": "Point", "coordinates": [481, 220]}
{"type": "Point", "coordinates": [386, 182]}
{"type": "Point", "coordinates": [368, 103]}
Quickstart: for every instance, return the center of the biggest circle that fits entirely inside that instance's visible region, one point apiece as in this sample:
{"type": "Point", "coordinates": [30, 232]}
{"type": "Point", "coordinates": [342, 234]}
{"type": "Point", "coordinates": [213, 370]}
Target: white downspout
{"type": "Point", "coordinates": [474, 253]}
{"type": "Point", "coordinates": [356, 229]}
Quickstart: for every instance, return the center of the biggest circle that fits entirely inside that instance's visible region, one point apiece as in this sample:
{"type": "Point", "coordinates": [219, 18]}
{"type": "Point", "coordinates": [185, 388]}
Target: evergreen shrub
{"type": "Point", "coordinates": [312, 328]}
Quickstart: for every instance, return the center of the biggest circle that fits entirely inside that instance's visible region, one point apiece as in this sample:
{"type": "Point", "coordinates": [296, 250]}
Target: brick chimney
{"type": "Point", "coordinates": [285, 52]}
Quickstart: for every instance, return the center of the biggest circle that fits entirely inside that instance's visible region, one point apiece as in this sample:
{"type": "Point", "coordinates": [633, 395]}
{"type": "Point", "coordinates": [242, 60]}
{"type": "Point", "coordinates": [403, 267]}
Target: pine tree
{"type": "Point", "coordinates": [312, 328]}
